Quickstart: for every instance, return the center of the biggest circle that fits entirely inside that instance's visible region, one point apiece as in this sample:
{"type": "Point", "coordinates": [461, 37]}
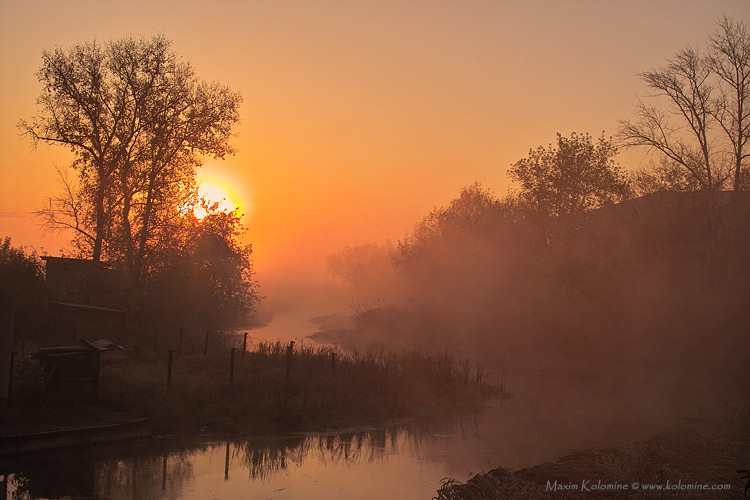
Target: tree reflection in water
{"type": "Point", "coordinates": [166, 468]}
{"type": "Point", "coordinates": [132, 470]}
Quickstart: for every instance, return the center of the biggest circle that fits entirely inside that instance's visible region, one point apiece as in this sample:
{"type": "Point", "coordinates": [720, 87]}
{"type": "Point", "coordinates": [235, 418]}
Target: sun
{"type": "Point", "coordinates": [218, 190]}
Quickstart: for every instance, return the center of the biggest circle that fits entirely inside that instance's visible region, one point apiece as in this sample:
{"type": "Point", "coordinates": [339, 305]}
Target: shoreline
{"type": "Point", "coordinates": [706, 450]}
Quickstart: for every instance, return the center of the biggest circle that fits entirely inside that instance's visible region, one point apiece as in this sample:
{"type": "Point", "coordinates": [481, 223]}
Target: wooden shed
{"type": "Point", "coordinates": [73, 369]}
{"type": "Point", "coordinates": [75, 321]}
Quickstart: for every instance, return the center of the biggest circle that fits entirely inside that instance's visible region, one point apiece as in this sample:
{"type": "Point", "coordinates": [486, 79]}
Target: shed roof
{"type": "Point", "coordinates": [84, 307]}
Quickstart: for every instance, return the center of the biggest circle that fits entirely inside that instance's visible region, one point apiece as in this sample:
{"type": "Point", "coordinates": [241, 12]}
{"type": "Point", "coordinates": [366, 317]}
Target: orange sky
{"type": "Point", "coordinates": [359, 117]}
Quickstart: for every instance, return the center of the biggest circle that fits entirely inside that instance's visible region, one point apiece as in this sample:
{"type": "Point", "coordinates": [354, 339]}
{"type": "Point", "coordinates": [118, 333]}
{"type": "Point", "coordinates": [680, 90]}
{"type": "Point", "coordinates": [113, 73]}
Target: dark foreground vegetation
{"type": "Point", "coordinates": [711, 450]}
{"type": "Point", "coordinates": [325, 389]}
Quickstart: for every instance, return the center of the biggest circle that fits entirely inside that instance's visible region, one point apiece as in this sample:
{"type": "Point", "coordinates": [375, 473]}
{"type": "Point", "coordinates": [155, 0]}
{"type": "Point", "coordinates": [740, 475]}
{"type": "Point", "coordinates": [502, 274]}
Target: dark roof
{"type": "Point", "coordinates": [81, 347]}
{"type": "Point", "coordinates": [84, 307]}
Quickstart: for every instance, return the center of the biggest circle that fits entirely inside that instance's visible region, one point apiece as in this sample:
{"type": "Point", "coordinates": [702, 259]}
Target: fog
{"type": "Point", "coordinates": [633, 310]}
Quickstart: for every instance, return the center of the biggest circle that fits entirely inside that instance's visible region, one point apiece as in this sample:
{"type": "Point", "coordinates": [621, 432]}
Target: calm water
{"type": "Point", "coordinates": [404, 461]}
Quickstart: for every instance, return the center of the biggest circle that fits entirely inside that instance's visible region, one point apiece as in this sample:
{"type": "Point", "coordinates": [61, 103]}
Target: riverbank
{"type": "Point", "coordinates": [313, 389]}
{"type": "Point", "coordinates": [709, 450]}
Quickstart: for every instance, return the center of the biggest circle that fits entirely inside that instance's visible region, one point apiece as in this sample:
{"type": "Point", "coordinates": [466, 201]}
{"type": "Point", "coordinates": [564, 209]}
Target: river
{"type": "Point", "coordinates": [543, 420]}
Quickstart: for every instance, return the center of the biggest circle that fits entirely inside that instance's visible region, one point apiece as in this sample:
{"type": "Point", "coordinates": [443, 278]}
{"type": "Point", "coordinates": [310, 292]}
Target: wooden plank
{"type": "Point", "coordinates": [81, 436]}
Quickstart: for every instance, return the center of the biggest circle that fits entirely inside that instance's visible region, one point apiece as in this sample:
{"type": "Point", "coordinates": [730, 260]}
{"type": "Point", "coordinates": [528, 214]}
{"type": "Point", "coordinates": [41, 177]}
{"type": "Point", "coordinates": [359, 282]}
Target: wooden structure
{"type": "Point", "coordinates": [80, 436]}
{"type": "Point", "coordinates": [78, 280]}
{"type": "Point", "coordinates": [83, 296]}
{"type": "Point", "coordinates": [73, 369]}
{"type": "Point", "coordinates": [75, 321]}
{"type": "Point", "coordinates": [7, 310]}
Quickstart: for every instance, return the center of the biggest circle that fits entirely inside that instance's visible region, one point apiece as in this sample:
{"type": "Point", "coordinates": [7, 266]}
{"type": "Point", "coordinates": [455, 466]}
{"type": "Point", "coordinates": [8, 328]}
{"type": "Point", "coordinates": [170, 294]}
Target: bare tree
{"type": "Point", "coordinates": [664, 175]}
{"type": "Point", "coordinates": [729, 59]}
{"type": "Point", "coordinates": [67, 211]}
{"type": "Point", "coordinates": [697, 116]}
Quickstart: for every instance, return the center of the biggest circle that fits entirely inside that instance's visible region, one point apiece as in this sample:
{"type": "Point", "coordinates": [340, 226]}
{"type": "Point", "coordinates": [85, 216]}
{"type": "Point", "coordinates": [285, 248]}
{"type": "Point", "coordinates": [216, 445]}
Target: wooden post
{"type": "Point", "coordinates": [231, 366]}
{"type": "Point", "coordinates": [289, 351]}
{"type": "Point", "coordinates": [226, 464]}
{"type": "Point", "coordinates": [7, 316]}
{"type": "Point", "coordinates": [244, 344]}
{"type": "Point", "coordinates": [164, 473]}
{"type": "Point", "coordinates": [179, 342]}
{"type": "Point", "coordinates": [10, 377]}
{"type": "Point", "coordinates": [205, 346]}
{"type": "Point", "coordinates": [97, 357]}
{"type": "Point", "coordinates": [123, 327]}
{"type": "Point", "coordinates": [169, 369]}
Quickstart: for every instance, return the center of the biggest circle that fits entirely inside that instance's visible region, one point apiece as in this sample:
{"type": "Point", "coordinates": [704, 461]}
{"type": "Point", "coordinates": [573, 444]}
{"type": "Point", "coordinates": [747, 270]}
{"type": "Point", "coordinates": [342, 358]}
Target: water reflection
{"type": "Point", "coordinates": [132, 470]}
{"type": "Point", "coordinates": [168, 469]}
{"type": "Point", "coordinates": [544, 420]}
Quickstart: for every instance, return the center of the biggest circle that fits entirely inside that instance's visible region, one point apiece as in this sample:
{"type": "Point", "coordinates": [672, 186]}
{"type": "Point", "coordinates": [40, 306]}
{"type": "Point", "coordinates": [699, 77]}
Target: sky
{"type": "Point", "coordinates": [358, 117]}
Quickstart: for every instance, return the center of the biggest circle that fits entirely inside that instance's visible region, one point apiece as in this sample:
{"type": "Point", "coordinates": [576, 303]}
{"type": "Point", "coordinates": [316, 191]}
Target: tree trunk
{"type": "Point", "coordinates": [99, 232]}
{"type": "Point", "coordinates": [740, 144]}
{"type": "Point", "coordinates": [127, 232]}
{"type": "Point", "coordinates": [144, 228]}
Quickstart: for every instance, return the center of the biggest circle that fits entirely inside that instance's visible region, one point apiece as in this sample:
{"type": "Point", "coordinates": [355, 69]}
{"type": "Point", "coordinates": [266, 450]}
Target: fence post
{"type": "Point", "coordinates": [205, 346]}
{"type": "Point", "coordinates": [7, 315]}
{"type": "Point", "coordinates": [289, 350]}
{"type": "Point", "coordinates": [231, 366]}
{"type": "Point", "coordinates": [169, 369]}
{"type": "Point", "coordinates": [244, 344]}
{"type": "Point", "coordinates": [226, 463]}
{"type": "Point", "coordinates": [10, 377]}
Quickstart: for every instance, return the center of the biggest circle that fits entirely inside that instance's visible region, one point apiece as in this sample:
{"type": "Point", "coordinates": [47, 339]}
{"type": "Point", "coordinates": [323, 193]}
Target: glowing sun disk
{"type": "Point", "coordinates": [216, 193]}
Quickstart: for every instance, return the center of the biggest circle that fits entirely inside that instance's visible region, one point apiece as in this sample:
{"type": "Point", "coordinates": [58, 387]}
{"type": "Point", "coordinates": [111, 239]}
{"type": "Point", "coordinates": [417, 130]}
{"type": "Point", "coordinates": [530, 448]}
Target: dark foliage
{"type": "Point", "coordinates": [22, 280]}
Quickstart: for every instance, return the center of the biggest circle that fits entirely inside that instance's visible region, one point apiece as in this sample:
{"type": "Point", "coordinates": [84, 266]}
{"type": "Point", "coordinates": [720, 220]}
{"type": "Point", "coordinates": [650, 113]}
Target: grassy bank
{"type": "Point", "coordinates": [325, 389]}
{"type": "Point", "coordinates": [708, 450]}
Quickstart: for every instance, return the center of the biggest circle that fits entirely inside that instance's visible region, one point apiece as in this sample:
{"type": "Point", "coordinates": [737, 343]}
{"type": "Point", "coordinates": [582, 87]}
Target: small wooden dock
{"type": "Point", "coordinates": [77, 436]}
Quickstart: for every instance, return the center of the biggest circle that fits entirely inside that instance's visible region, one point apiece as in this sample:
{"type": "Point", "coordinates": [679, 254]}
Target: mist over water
{"type": "Point", "coordinates": [629, 313]}
{"type": "Point", "coordinates": [600, 299]}
{"type": "Point", "coordinates": [413, 456]}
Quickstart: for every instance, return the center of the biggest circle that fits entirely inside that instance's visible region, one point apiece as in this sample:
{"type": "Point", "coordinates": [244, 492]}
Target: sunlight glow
{"type": "Point", "coordinates": [216, 189]}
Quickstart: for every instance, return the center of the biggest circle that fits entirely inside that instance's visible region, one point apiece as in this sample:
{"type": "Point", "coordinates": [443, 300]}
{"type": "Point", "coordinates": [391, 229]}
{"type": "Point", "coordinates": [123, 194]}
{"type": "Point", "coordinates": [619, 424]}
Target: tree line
{"type": "Point", "coordinates": [560, 268]}
{"type": "Point", "coordinates": [139, 121]}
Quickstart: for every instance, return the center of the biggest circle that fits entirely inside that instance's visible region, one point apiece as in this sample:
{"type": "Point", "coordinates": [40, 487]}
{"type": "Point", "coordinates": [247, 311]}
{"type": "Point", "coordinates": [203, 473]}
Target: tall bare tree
{"type": "Point", "coordinates": [697, 116]}
{"type": "Point", "coordinates": [729, 59]}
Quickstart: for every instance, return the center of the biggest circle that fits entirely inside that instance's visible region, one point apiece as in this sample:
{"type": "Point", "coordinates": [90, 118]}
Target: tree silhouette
{"type": "Point", "coordinates": [202, 273]}
{"type": "Point", "coordinates": [137, 120]}
{"type": "Point", "coordinates": [729, 59]}
{"type": "Point", "coordinates": [702, 124]}
{"type": "Point", "coordinates": [570, 178]}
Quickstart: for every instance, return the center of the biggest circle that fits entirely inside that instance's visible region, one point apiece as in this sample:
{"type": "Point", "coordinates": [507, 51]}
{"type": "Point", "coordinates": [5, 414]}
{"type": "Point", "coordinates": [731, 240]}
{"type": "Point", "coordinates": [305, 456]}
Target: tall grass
{"type": "Point", "coordinates": [327, 388]}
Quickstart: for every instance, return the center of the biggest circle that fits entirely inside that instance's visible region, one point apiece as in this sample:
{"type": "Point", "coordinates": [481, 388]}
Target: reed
{"type": "Point", "coordinates": [357, 387]}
